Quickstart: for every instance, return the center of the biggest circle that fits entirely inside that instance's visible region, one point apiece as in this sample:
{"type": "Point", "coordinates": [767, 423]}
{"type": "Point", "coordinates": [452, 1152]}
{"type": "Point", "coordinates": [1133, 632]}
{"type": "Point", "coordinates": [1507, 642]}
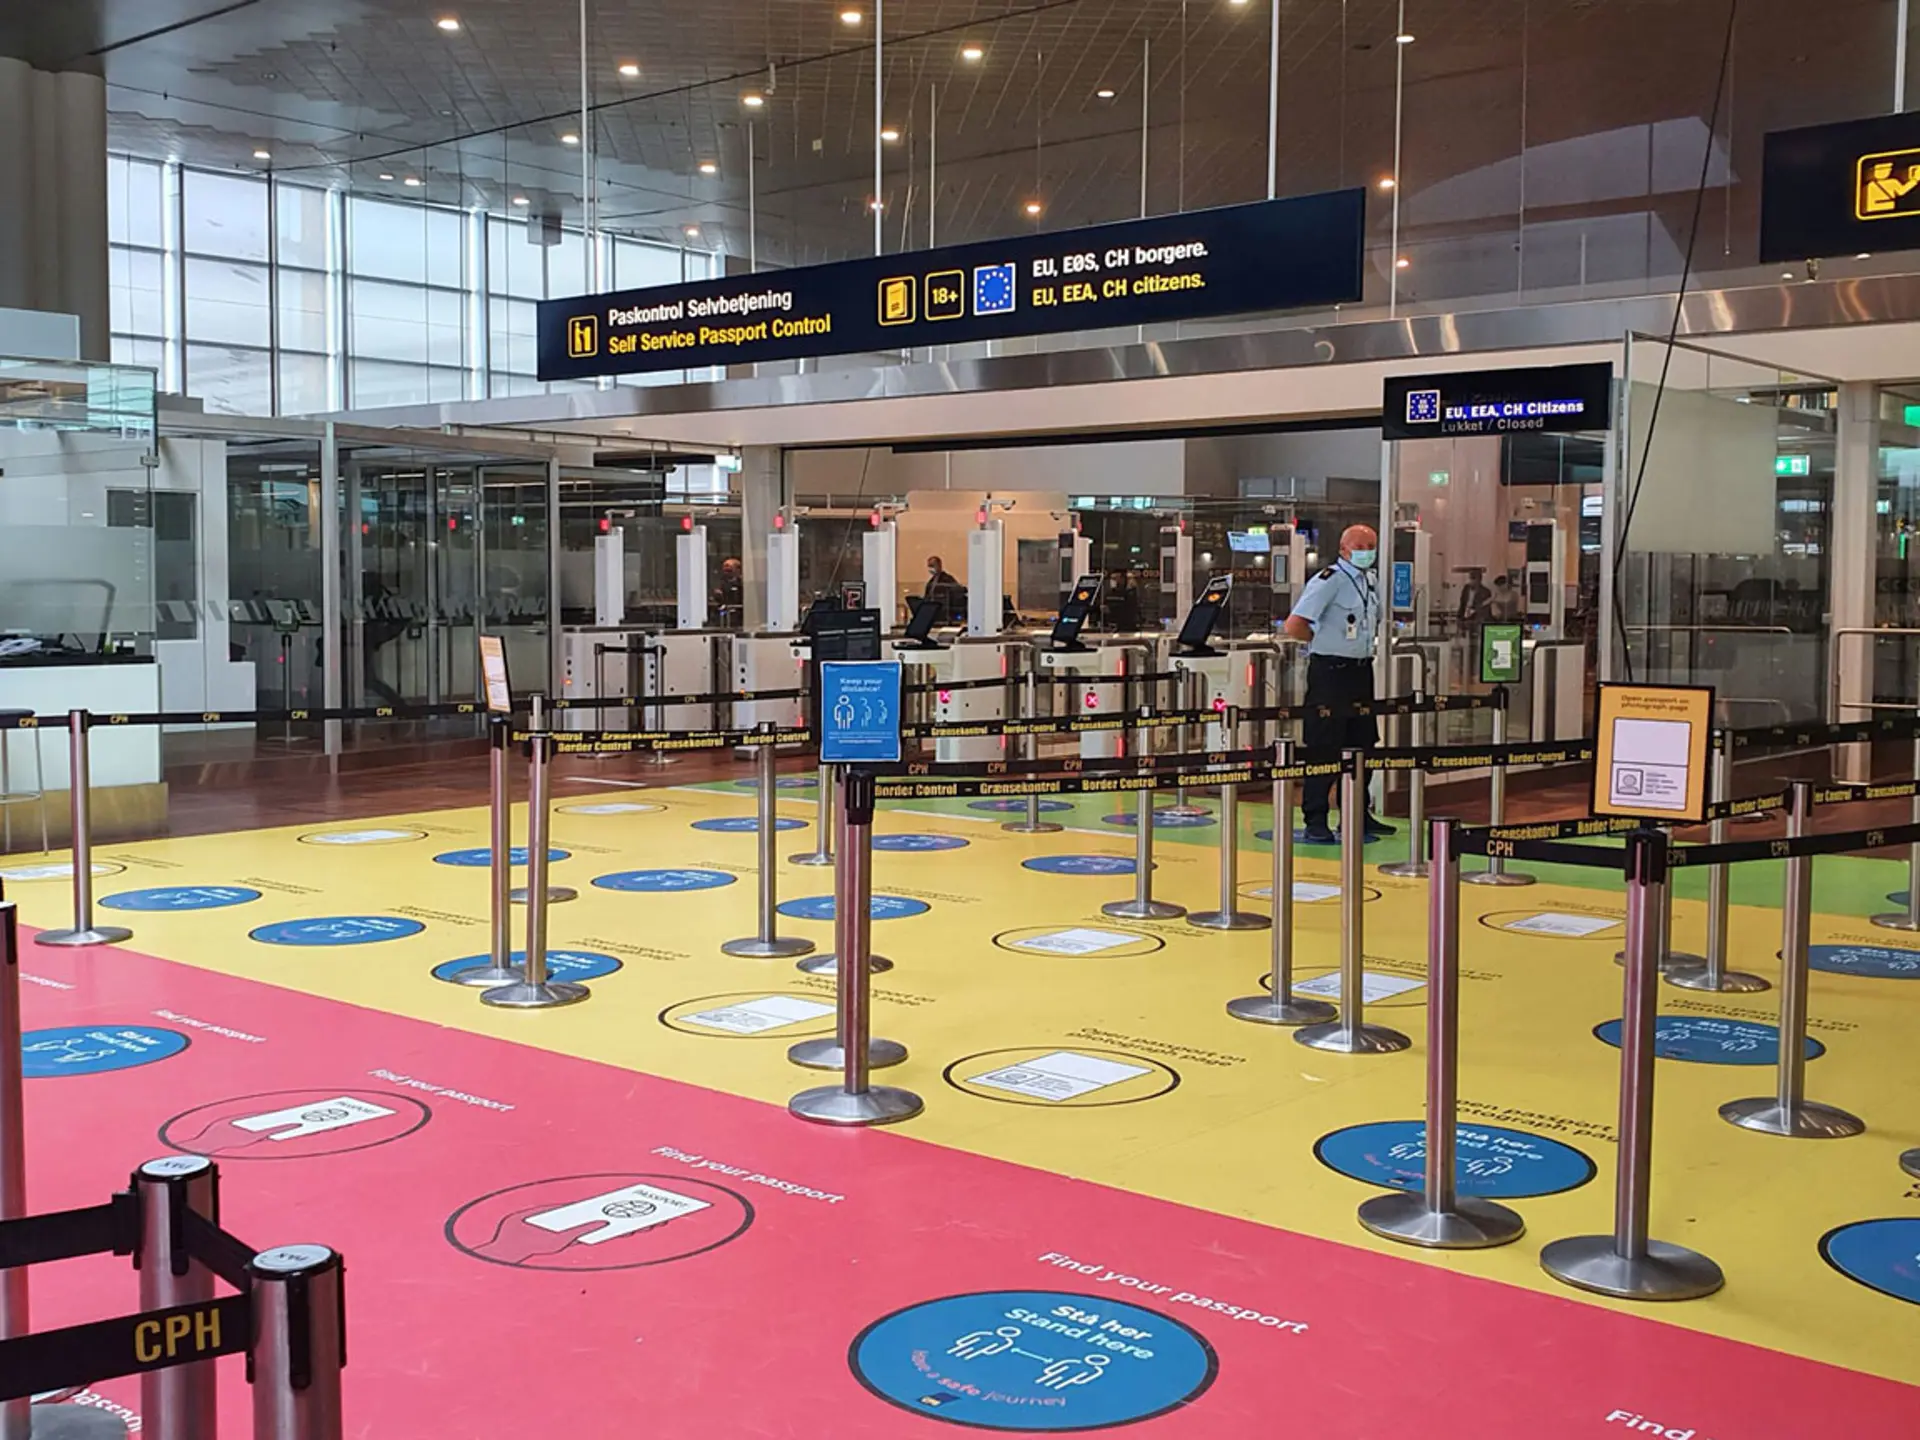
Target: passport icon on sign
{"type": "Point", "coordinates": [994, 289]}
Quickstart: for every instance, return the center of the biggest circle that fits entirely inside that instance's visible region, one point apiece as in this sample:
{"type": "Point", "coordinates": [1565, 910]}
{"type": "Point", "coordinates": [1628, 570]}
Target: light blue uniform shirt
{"type": "Point", "coordinates": [1342, 606]}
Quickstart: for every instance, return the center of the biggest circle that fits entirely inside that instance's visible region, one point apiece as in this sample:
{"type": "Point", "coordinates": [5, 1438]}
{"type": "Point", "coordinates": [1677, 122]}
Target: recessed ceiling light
{"type": "Point", "coordinates": [692, 232]}
{"type": "Point", "coordinates": [1403, 38]}
{"type": "Point", "coordinates": [875, 205]}
{"type": "Point", "coordinates": [851, 17]}
{"type": "Point", "coordinates": [630, 69]}
{"type": "Point", "coordinates": [1103, 94]}
{"type": "Point", "coordinates": [1033, 207]}
{"type": "Point", "coordinates": [889, 134]}
{"type": "Point", "coordinates": [1864, 255]}
{"type": "Point", "coordinates": [1402, 263]}
{"type": "Point", "coordinates": [707, 167]}
{"type": "Point", "coordinates": [263, 155]}
{"type": "Point", "coordinates": [1236, 2]}
{"type": "Point", "coordinates": [569, 138]}
{"type": "Point", "coordinates": [385, 176]}
{"type": "Point", "coordinates": [1386, 182]}
{"type": "Point", "coordinates": [413, 181]}
{"type": "Point", "coordinates": [1786, 275]}
{"type": "Point", "coordinates": [448, 23]}
{"type": "Point", "coordinates": [971, 53]}
{"type": "Point", "coordinates": [753, 102]}
{"type": "Point", "coordinates": [520, 200]}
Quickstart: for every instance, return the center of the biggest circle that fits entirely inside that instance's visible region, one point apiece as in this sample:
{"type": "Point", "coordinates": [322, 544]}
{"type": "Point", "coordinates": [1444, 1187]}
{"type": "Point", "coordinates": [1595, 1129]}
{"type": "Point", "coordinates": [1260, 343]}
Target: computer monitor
{"type": "Point", "coordinates": [920, 624]}
{"type": "Point", "coordinates": [819, 610]}
{"type": "Point", "coordinates": [1198, 626]}
{"type": "Point", "coordinates": [1073, 614]}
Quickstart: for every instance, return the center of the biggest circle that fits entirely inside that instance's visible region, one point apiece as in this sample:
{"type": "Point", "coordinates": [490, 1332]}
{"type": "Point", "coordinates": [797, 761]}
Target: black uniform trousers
{"type": "Point", "coordinates": [1337, 683]}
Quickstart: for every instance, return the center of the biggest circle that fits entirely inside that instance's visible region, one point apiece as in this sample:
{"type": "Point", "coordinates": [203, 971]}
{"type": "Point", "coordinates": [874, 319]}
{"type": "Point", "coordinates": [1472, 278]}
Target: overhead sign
{"type": "Point", "coordinates": [1651, 750]}
{"type": "Point", "coordinates": [1273, 255]}
{"type": "Point", "coordinates": [1542, 398]}
{"type": "Point", "coordinates": [859, 712]}
{"type": "Point", "coordinates": [1841, 189]}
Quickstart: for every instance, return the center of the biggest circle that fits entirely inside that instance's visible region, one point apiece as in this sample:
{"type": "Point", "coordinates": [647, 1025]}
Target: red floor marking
{"type": "Point", "coordinates": [712, 1326]}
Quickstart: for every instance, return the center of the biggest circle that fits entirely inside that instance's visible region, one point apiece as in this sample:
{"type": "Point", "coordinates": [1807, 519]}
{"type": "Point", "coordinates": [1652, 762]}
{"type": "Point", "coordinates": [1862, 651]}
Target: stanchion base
{"type": "Point", "coordinates": [812, 857]}
{"type": "Point", "coordinates": [1143, 910]}
{"type": "Point", "coordinates": [829, 964]}
{"type": "Point", "coordinates": [1498, 877]}
{"type": "Point", "coordinates": [1408, 869]}
{"type": "Point", "coordinates": [780, 947]}
{"type": "Point", "coordinates": [1471, 1225]}
{"type": "Point", "coordinates": [1910, 1162]}
{"type": "Point", "coordinates": [521, 996]}
{"type": "Point", "coordinates": [99, 935]}
{"type": "Point", "coordinates": [1665, 1272]}
{"type": "Point", "coordinates": [1674, 960]}
{"type": "Point", "coordinates": [1037, 827]}
{"type": "Point", "coordinates": [830, 1054]}
{"type": "Point", "coordinates": [1228, 920]}
{"type": "Point", "coordinates": [1728, 982]}
{"type": "Point", "coordinates": [1897, 920]}
{"type": "Point", "coordinates": [1805, 1121]}
{"type": "Point", "coordinates": [488, 978]}
{"type": "Point", "coordinates": [1362, 1040]}
{"type": "Point", "coordinates": [556, 894]}
{"type": "Point", "coordinates": [73, 1422]}
{"type": "Point", "coordinates": [879, 1105]}
{"type": "Point", "coordinates": [1274, 1010]}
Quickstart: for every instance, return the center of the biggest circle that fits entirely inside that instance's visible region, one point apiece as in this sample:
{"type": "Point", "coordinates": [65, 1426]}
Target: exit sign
{"type": "Point", "coordinates": [1792, 465]}
{"type": "Point", "coordinates": [1439, 477]}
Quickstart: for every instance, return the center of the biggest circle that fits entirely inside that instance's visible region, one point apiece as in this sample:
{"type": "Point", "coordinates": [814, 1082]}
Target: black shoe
{"type": "Point", "coordinates": [1376, 829]}
{"type": "Point", "coordinates": [1315, 835]}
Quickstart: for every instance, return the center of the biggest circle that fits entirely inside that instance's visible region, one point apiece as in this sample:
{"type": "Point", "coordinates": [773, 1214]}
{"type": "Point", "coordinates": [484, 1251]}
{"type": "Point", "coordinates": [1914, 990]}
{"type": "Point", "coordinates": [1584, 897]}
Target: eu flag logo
{"type": "Point", "coordinates": [1423, 407]}
{"type": "Point", "coordinates": [994, 289]}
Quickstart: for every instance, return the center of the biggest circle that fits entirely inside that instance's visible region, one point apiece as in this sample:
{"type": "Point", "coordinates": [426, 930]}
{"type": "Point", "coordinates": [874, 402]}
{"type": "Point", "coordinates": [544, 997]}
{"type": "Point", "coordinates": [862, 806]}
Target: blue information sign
{"type": "Point", "coordinates": [1033, 1360]}
{"type": "Point", "coordinates": [912, 843]}
{"type": "Point", "coordinates": [482, 856]}
{"type": "Point", "coordinates": [859, 712]}
{"type": "Point", "coordinates": [1079, 864]}
{"type": "Point", "coordinates": [561, 965]}
{"type": "Point", "coordinates": [181, 897]}
{"type": "Point", "coordinates": [746, 824]}
{"type": "Point", "coordinates": [94, 1049]}
{"type": "Point", "coordinates": [661, 881]}
{"type": "Point", "coordinates": [880, 907]}
{"type": "Point", "coordinates": [1712, 1041]}
{"type": "Point", "coordinates": [1489, 1161]}
{"type": "Point", "coordinates": [1881, 1254]}
{"type": "Point", "coordinates": [1881, 962]}
{"type": "Point", "coordinates": [1403, 584]}
{"type": "Point", "coordinates": [337, 930]}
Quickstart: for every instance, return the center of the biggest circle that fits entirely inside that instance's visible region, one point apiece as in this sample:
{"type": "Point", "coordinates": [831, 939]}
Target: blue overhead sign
{"type": "Point", "coordinates": [859, 712]}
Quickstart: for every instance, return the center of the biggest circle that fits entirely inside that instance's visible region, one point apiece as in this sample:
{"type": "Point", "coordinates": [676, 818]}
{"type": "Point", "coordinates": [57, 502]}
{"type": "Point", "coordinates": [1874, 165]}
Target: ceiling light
{"type": "Point", "coordinates": [385, 176]}
{"type": "Point", "coordinates": [630, 70]}
{"type": "Point", "coordinates": [1864, 255]}
{"type": "Point", "coordinates": [262, 155]}
{"type": "Point", "coordinates": [1402, 263]}
{"type": "Point", "coordinates": [890, 135]}
{"type": "Point", "coordinates": [448, 23]}
{"type": "Point", "coordinates": [707, 167]}
{"type": "Point", "coordinates": [753, 102]}
{"type": "Point", "coordinates": [569, 138]}
{"type": "Point", "coordinates": [692, 232]}
{"type": "Point", "coordinates": [1103, 94]}
{"type": "Point", "coordinates": [1236, 2]}
{"type": "Point", "coordinates": [851, 17]}
{"type": "Point", "coordinates": [1403, 38]}
{"type": "Point", "coordinates": [413, 181]}
{"type": "Point", "coordinates": [520, 200]}
{"type": "Point", "coordinates": [1786, 275]}
{"type": "Point", "coordinates": [875, 205]}
{"type": "Point", "coordinates": [972, 53]}
{"type": "Point", "coordinates": [1386, 182]}
{"type": "Point", "coordinates": [1033, 207]}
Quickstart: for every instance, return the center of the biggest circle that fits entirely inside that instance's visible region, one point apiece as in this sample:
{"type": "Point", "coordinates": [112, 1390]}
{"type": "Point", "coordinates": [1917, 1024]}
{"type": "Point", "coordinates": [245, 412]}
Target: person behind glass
{"type": "Point", "coordinates": [1336, 616]}
{"type": "Point", "coordinates": [1506, 603]}
{"type": "Point", "coordinates": [943, 590]}
{"type": "Point", "coordinates": [729, 596]}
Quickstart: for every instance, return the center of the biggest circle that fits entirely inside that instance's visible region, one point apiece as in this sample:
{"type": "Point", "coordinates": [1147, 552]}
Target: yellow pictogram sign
{"type": "Point", "coordinates": [1887, 185]}
{"type": "Point", "coordinates": [946, 295]}
{"type": "Point", "coordinates": [896, 301]}
{"type": "Point", "coordinates": [583, 336]}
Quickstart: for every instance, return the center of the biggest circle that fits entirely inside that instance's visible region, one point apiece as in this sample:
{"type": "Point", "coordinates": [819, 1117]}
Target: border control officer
{"type": "Point", "coordinates": [1337, 615]}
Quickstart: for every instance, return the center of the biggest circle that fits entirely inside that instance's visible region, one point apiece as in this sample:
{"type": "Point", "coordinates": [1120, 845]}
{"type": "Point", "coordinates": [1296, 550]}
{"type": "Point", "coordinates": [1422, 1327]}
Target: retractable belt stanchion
{"type": "Point", "coordinates": [1627, 1264]}
{"type": "Point", "coordinates": [83, 931]}
{"type": "Point", "coordinates": [768, 944]}
{"type": "Point", "coordinates": [1910, 1162]}
{"type": "Point", "coordinates": [854, 1101]}
{"type": "Point", "coordinates": [1909, 919]}
{"type": "Point", "coordinates": [1186, 695]}
{"type": "Point", "coordinates": [533, 990]}
{"type": "Point", "coordinates": [1414, 867]}
{"type": "Point", "coordinates": [499, 969]}
{"type": "Point", "coordinates": [1032, 824]}
{"type": "Point", "coordinates": [1350, 1034]}
{"type": "Point", "coordinates": [1438, 1217]}
{"type": "Point", "coordinates": [1496, 872]}
{"type": "Point", "coordinates": [1229, 916]}
{"type": "Point", "coordinates": [1788, 1111]}
{"type": "Point", "coordinates": [1711, 973]}
{"type": "Point", "coordinates": [299, 1343]}
{"type": "Point", "coordinates": [180, 1403]}
{"type": "Point", "coordinates": [825, 830]}
{"type": "Point", "coordinates": [831, 1054]}
{"type": "Point", "coordinates": [537, 723]}
{"type": "Point", "coordinates": [1280, 1006]}
{"type": "Point", "coordinates": [1669, 959]}
{"type": "Point", "coordinates": [1143, 906]}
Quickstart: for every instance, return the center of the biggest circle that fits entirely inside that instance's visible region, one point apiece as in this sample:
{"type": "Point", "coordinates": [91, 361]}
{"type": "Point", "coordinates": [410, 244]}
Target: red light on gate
{"type": "Point", "coordinates": [606, 525]}
{"type": "Point", "coordinates": [980, 516]}
{"type": "Point", "coordinates": [946, 697]}
{"type": "Point", "coordinates": [366, 528]}
{"type": "Point", "coordinates": [453, 522]}
{"type": "Point", "coordinates": [686, 523]}
{"type": "Point", "coordinates": [1219, 703]}
{"type": "Point", "coordinates": [779, 521]}
{"type": "Point", "coordinates": [1093, 701]}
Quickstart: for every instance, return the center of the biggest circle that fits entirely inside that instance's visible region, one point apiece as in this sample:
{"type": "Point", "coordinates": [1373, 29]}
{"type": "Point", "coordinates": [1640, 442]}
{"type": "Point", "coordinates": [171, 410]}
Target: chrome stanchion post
{"type": "Point", "coordinates": [1032, 824]}
{"type": "Point", "coordinates": [15, 1422]}
{"type": "Point", "coordinates": [556, 894]}
{"type": "Point", "coordinates": [1229, 915]}
{"type": "Point", "coordinates": [1350, 1034]}
{"type": "Point", "coordinates": [1910, 1162]}
{"type": "Point", "coordinates": [300, 1343]}
{"type": "Point", "coordinates": [831, 1053]}
{"type": "Point", "coordinates": [1627, 1264]}
{"type": "Point", "coordinates": [179, 1403]}
{"type": "Point", "coordinates": [533, 990]}
{"type": "Point", "coordinates": [768, 943]}
{"type": "Point", "coordinates": [499, 969]}
{"type": "Point", "coordinates": [1909, 919]}
{"type": "Point", "coordinates": [1414, 867]}
{"type": "Point", "coordinates": [1439, 1218]}
{"type": "Point", "coordinates": [1187, 696]}
{"type": "Point", "coordinates": [1143, 906]}
{"type": "Point", "coordinates": [79, 782]}
{"type": "Point", "coordinates": [1711, 973]}
{"type": "Point", "coordinates": [855, 1101]}
{"type": "Point", "coordinates": [1496, 872]}
{"type": "Point", "coordinates": [1279, 1006]}
{"type": "Point", "coordinates": [1788, 1111]}
{"type": "Point", "coordinates": [823, 823]}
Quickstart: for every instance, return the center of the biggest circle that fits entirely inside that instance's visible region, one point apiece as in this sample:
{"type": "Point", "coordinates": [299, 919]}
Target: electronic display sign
{"type": "Point", "coordinates": [1273, 255]}
{"type": "Point", "coordinates": [1536, 399]}
{"type": "Point", "coordinates": [1846, 189]}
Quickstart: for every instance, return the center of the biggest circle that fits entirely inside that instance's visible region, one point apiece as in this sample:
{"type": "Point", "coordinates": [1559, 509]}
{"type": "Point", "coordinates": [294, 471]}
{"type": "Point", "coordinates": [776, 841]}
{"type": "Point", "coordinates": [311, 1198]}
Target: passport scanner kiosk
{"type": "Point", "coordinates": [1237, 676]}
{"type": "Point", "coordinates": [1545, 593]}
{"type": "Point", "coordinates": [1063, 654]}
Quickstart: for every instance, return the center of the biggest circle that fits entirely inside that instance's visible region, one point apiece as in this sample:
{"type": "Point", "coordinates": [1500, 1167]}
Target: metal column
{"type": "Point", "coordinates": [1279, 1006]}
{"type": "Point", "coordinates": [80, 810]}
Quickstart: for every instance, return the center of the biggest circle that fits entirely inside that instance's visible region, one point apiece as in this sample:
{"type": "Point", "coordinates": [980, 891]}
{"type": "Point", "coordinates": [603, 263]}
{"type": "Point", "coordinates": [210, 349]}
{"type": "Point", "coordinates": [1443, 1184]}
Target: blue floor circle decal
{"type": "Point", "coordinates": [1032, 1360]}
{"type": "Point", "coordinates": [1711, 1041]}
{"type": "Point", "coordinates": [94, 1049]}
{"type": "Point", "coordinates": [483, 856]}
{"type": "Point", "coordinates": [337, 930]}
{"type": "Point", "coordinates": [1007, 807]}
{"type": "Point", "coordinates": [912, 843]}
{"type": "Point", "coordinates": [1490, 1162]}
{"type": "Point", "coordinates": [1880, 962]}
{"type": "Point", "coordinates": [1883, 1255]}
{"type": "Point", "coordinates": [651, 882]}
{"type": "Point", "coordinates": [181, 897]}
{"type": "Point", "coordinates": [561, 965]}
{"type": "Point", "coordinates": [1079, 864]}
{"type": "Point", "coordinates": [880, 907]}
{"type": "Point", "coordinates": [746, 824]}
{"type": "Point", "coordinates": [785, 782]}
{"type": "Point", "coordinates": [1162, 820]}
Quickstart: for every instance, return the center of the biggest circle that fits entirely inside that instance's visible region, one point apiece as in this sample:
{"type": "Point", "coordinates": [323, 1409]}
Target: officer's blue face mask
{"type": "Point", "coordinates": [1363, 559]}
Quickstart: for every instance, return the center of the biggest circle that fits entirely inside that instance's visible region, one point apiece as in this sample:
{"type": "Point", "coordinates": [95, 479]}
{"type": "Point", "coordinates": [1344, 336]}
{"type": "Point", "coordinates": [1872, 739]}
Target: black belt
{"type": "Point", "coordinates": [1342, 662]}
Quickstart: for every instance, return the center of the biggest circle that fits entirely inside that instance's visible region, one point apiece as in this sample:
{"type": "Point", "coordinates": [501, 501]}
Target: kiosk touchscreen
{"type": "Point", "coordinates": [920, 626]}
{"type": "Point", "coordinates": [1073, 614]}
{"type": "Point", "coordinates": [1198, 627]}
